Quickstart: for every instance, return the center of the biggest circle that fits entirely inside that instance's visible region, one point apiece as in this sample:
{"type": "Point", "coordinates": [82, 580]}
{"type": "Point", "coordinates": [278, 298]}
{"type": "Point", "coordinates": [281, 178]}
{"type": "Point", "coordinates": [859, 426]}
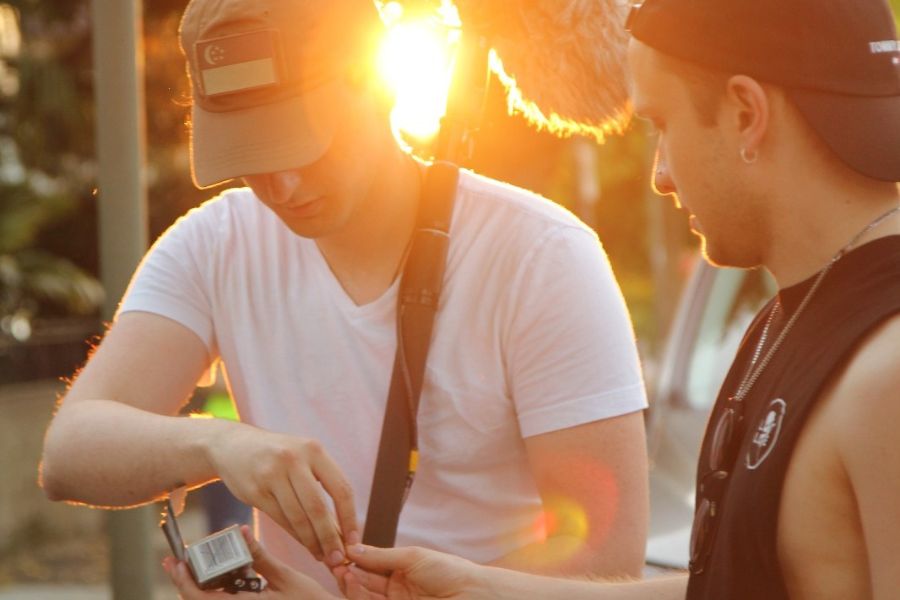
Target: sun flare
{"type": "Point", "coordinates": [416, 62]}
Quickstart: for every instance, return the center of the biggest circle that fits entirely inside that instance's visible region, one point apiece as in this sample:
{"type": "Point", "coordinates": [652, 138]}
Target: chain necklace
{"type": "Point", "coordinates": [754, 370]}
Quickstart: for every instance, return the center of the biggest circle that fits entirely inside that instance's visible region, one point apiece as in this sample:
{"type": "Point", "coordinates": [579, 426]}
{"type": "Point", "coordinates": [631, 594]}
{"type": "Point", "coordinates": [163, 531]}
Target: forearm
{"type": "Point", "coordinates": [502, 584]}
{"type": "Point", "coordinates": [571, 555]}
{"type": "Point", "coordinates": [105, 453]}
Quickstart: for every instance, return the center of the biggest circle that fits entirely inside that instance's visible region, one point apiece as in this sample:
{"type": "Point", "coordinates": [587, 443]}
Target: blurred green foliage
{"type": "Point", "coordinates": [47, 164]}
{"type": "Point", "coordinates": [48, 238]}
{"type": "Point", "coordinates": [45, 160]}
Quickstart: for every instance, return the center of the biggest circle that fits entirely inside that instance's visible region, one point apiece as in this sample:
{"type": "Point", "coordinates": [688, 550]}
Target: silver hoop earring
{"type": "Point", "coordinates": [749, 156]}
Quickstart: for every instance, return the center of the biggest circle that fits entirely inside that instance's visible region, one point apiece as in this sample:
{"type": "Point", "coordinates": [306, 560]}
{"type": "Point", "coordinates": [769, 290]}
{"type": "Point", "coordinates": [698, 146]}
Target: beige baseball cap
{"type": "Point", "coordinates": [266, 77]}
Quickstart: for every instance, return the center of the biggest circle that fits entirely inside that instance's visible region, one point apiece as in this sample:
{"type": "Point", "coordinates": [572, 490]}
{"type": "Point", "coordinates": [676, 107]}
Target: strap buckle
{"type": "Point", "coordinates": [632, 14]}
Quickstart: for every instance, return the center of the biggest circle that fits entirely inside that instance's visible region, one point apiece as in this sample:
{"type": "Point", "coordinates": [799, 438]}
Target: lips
{"type": "Point", "coordinates": [694, 224]}
{"type": "Point", "coordinates": [306, 208]}
{"type": "Point", "coordinates": [679, 205]}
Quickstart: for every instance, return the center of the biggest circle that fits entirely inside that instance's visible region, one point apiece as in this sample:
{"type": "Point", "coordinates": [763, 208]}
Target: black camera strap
{"type": "Point", "coordinates": [417, 303]}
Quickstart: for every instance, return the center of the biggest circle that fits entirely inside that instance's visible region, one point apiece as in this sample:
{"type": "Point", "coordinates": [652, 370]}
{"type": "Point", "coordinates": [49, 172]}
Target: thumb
{"type": "Point", "coordinates": [382, 560]}
{"type": "Point", "coordinates": [275, 571]}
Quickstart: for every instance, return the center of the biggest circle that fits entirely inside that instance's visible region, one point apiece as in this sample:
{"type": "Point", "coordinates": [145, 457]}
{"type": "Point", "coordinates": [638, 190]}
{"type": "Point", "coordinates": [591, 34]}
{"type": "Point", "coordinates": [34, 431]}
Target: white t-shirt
{"type": "Point", "coordinates": [532, 336]}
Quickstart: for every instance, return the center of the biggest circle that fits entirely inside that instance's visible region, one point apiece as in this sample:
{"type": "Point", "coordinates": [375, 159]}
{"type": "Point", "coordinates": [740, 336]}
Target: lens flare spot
{"type": "Point", "coordinates": [562, 516]}
{"type": "Point", "coordinates": [571, 526]}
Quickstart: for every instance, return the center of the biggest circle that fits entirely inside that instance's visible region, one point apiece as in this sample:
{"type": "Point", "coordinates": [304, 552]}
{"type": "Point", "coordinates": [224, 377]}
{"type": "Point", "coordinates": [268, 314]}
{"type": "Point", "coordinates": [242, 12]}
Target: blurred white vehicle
{"type": "Point", "coordinates": [714, 310]}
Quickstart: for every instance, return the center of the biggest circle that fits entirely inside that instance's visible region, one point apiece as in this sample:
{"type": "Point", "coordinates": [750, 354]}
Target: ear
{"type": "Point", "coordinates": [751, 111]}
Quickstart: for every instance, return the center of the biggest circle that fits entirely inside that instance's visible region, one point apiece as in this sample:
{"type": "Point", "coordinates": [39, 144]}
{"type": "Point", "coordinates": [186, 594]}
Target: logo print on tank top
{"type": "Point", "coordinates": [766, 434]}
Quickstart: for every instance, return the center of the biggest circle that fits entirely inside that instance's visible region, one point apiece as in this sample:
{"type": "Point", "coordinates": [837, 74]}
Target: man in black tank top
{"type": "Point", "coordinates": [779, 133]}
{"type": "Point", "coordinates": [796, 115]}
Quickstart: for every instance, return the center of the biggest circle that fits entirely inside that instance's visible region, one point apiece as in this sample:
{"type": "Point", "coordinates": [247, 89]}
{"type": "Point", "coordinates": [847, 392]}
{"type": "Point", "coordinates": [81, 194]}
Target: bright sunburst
{"type": "Point", "coordinates": [416, 61]}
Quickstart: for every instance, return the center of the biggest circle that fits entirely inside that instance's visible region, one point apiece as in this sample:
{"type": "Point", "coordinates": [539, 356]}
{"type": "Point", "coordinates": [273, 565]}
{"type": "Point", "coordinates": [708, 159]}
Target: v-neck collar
{"type": "Point", "coordinates": [386, 302]}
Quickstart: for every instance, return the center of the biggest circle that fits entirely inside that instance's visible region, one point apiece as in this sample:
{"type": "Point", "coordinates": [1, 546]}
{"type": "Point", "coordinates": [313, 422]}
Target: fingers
{"type": "Point", "coordinates": [288, 493]}
{"type": "Point", "coordinates": [271, 505]}
{"type": "Point", "coordinates": [309, 512]}
{"type": "Point", "coordinates": [355, 590]}
{"type": "Point", "coordinates": [282, 581]}
{"type": "Point", "coordinates": [320, 521]}
{"type": "Point", "coordinates": [372, 582]}
{"type": "Point", "coordinates": [285, 477]}
{"type": "Point", "coordinates": [275, 571]}
{"type": "Point", "coordinates": [184, 583]}
{"type": "Point", "coordinates": [338, 574]}
{"type": "Point", "coordinates": [332, 479]}
{"type": "Point", "coordinates": [382, 560]}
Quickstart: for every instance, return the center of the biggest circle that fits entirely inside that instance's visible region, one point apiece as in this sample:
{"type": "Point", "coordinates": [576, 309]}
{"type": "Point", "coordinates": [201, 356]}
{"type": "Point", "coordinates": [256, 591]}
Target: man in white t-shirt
{"type": "Point", "coordinates": [530, 427]}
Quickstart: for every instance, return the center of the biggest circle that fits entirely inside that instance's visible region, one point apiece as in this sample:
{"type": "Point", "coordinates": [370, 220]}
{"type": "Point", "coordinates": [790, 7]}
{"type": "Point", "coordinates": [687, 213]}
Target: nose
{"type": "Point", "coordinates": [277, 187]}
{"type": "Point", "coordinates": [662, 179]}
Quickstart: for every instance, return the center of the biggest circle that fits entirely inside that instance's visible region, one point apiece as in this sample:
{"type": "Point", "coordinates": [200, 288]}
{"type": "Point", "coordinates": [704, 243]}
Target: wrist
{"type": "Point", "coordinates": [488, 583]}
{"type": "Point", "coordinates": [211, 437]}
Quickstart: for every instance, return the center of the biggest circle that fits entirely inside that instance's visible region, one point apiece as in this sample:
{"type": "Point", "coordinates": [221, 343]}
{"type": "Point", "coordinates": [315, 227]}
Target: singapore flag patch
{"type": "Point", "coordinates": [238, 63]}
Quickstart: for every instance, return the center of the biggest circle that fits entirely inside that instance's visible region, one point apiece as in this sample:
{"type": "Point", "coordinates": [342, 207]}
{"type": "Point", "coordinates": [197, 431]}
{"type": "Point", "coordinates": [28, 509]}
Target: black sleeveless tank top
{"type": "Point", "coordinates": [861, 291]}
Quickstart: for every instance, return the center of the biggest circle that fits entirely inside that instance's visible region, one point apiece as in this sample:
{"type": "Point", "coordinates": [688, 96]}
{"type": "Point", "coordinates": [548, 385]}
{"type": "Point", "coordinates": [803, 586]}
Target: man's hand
{"type": "Point", "coordinates": [284, 476]}
{"type": "Point", "coordinates": [407, 574]}
{"type": "Point", "coordinates": [419, 574]}
{"type": "Point", "coordinates": [283, 582]}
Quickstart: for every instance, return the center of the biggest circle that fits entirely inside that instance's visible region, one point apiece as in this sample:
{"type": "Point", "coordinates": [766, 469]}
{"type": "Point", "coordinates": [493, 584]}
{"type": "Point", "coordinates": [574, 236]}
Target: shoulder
{"type": "Point", "coordinates": [864, 397]}
{"type": "Point", "coordinates": [873, 369]}
{"type": "Point", "coordinates": [507, 223]}
{"type": "Point", "coordinates": [232, 204]}
{"type": "Point", "coordinates": [510, 203]}
{"type": "Point", "coordinates": [224, 219]}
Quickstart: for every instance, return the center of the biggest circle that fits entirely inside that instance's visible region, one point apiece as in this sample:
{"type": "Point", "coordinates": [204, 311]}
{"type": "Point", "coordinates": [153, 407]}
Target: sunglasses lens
{"type": "Point", "coordinates": [700, 535]}
{"type": "Point", "coordinates": [712, 484]}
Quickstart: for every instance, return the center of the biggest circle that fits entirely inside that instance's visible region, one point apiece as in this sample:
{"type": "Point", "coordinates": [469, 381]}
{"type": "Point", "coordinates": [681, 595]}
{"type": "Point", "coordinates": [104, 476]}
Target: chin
{"type": "Point", "coordinates": [725, 255]}
{"type": "Point", "coordinates": [306, 230]}
{"type": "Point", "coordinates": [315, 227]}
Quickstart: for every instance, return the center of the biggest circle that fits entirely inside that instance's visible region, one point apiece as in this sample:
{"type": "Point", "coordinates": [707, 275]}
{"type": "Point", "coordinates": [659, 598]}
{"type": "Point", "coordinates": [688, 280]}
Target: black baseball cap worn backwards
{"type": "Point", "coordinates": [838, 60]}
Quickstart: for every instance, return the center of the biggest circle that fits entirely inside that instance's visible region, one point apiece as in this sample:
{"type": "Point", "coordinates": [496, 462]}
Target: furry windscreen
{"type": "Point", "coordinates": [562, 61]}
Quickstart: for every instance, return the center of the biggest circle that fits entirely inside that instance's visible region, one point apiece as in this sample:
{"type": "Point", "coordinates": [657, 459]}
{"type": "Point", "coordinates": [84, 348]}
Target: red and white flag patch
{"type": "Point", "coordinates": [237, 63]}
